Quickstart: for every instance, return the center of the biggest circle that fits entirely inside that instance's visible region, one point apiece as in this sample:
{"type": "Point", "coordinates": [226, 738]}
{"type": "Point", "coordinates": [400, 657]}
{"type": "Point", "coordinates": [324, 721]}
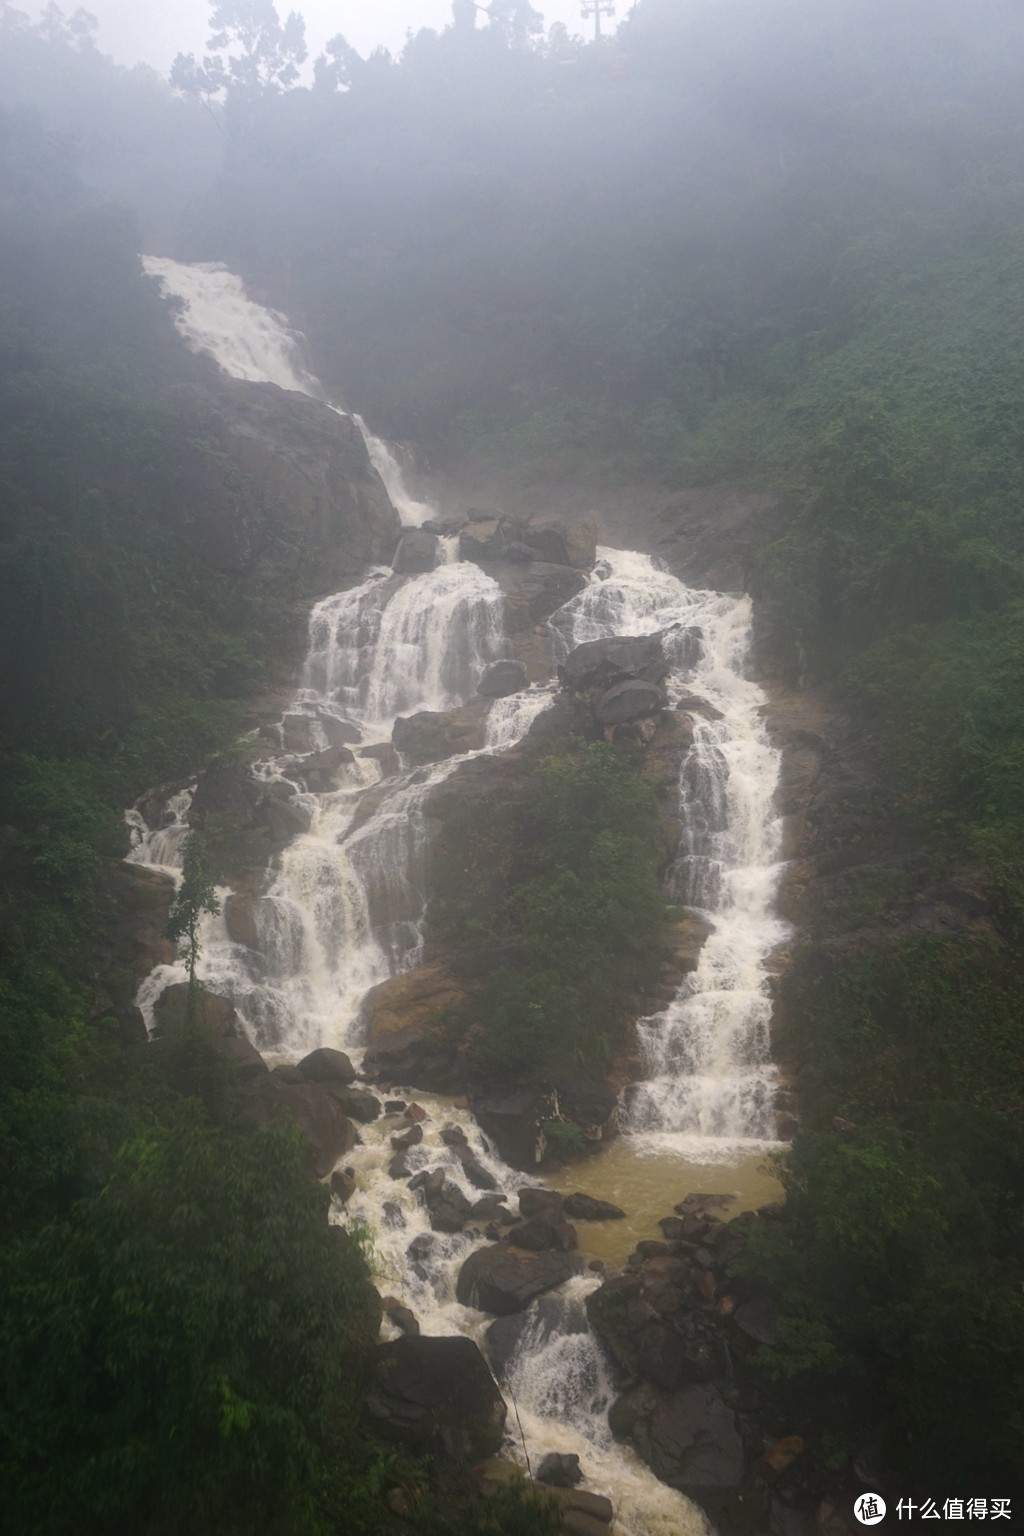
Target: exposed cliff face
{"type": "Point", "coordinates": [289, 499]}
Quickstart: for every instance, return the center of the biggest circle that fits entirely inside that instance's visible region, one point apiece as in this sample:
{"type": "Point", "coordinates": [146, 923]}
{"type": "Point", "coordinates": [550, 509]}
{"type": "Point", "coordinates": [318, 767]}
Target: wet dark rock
{"type": "Point", "coordinates": [500, 1280]}
{"type": "Point", "coordinates": [286, 1074]}
{"type": "Point", "coordinates": [700, 1204]}
{"type": "Point", "coordinates": [420, 1254]}
{"type": "Point", "coordinates": [579, 1207]}
{"type": "Point", "coordinates": [502, 679]}
{"type": "Point", "coordinates": [410, 1138]}
{"type": "Point", "coordinates": [583, 1513]}
{"type": "Point", "coordinates": [590, 1105]}
{"type": "Point", "coordinates": [392, 1215]}
{"type": "Point", "coordinates": [559, 1470]}
{"type": "Point", "coordinates": [628, 701]}
{"type": "Point", "coordinates": [394, 1106]}
{"type": "Point", "coordinates": [537, 1201]}
{"type": "Point", "coordinates": [758, 1318]}
{"type": "Point", "coordinates": [451, 1213]}
{"type": "Point", "coordinates": [399, 1314]}
{"type": "Point", "coordinates": [454, 1136]}
{"type": "Point", "coordinates": [669, 1356]}
{"type": "Point", "coordinates": [416, 552]}
{"type": "Point", "coordinates": [604, 663]}
{"type": "Point", "coordinates": [398, 1168]}
{"type": "Point", "coordinates": [317, 513]}
{"type": "Point", "coordinates": [212, 1013]}
{"type": "Point", "coordinates": [326, 1129]}
{"type": "Point", "coordinates": [546, 1231]}
{"type": "Point", "coordinates": [436, 1396]}
{"type": "Point", "coordinates": [688, 1438]}
{"type": "Point", "coordinates": [343, 1185]}
{"type": "Point", "coordinates": [515, 1124]}
{"type": "Point", "coordinates": [475, 1172]}
{"type": "Point", "coordinates": [432, 736]}
{"type": "Point", "coordinates": [318, 772]}
{"type": "Point", "coordinates": [358, 1103]}
{"type": "Point", "coordinates": [217, 1024]}
{"type": "Point", "coordinates": [326, 1065]}
{"type": "Point", "coordinates": [240, 919]}
{"type": "Point", "coordinates": [489, 1208]}
{"type": "Point", "coordinates": [650, 1248]}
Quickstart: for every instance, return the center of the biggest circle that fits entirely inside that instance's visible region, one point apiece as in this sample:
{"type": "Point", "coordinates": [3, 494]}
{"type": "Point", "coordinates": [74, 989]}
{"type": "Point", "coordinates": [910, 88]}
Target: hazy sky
{"type": "Point", "coordinates": [155, 30]}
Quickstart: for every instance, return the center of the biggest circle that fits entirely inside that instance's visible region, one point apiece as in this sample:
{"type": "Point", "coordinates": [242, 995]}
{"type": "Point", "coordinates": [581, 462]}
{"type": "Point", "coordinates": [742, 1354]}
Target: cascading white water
{"type": "Point", "coordinates": [249, 342]}
{"type": "Point", "coordinates": [709, 1080]}
{"type": "Point", "coordinates": [343, 907]}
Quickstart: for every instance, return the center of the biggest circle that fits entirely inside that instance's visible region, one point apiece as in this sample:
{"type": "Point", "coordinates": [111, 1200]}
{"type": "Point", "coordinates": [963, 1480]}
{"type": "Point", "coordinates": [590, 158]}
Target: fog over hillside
{"type": "Point", "coordinates": [512, 616]}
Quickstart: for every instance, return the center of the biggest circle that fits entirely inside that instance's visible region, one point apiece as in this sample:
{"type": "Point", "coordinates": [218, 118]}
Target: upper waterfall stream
{"type": "Point", "coordinates": [342, 907]}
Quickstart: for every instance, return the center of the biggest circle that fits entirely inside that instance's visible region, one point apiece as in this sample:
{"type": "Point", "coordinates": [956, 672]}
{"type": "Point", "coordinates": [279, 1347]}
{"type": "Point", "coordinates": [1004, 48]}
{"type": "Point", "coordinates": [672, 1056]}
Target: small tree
{"type": "Point", "coordinates": [196, 896]}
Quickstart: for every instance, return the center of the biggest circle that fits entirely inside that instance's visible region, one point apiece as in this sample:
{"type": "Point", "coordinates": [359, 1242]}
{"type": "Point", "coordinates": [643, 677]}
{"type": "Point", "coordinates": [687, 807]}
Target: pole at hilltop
{"type": "Point", "coordinates": [597, 9]}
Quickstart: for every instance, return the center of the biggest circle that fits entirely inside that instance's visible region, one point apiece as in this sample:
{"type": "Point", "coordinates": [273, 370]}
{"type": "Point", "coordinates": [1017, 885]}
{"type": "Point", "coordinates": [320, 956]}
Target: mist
{"type": "Point", "coordinates": [512, 604]}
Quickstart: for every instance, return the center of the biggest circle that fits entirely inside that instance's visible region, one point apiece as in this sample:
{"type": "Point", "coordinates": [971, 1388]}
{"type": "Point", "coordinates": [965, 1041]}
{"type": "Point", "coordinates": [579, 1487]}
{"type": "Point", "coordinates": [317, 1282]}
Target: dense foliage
{"type": "Point", "coordinates": [578, 920]}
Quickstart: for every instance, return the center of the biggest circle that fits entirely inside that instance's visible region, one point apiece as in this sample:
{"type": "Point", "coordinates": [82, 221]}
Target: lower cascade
{"type": "Point", "coordinates": [342, 908]}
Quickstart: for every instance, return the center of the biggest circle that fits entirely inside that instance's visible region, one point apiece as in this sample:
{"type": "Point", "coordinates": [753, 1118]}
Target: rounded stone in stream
{"type": "Point", "coordinates": [579, 1207]}
{"type": "Point", "coordinates": [501, 1280]}
{"type": "Point", "coordinates": [420, 1254]}
{"type": "Point", "coordinates": [475, 1171]}
{"type": "Point", "coordinates": [436, 1396]}
{"type": "Point", "coordinates": [559, 1470]}
{"type": "Point", "coordinates": [546, 1230]}
{"type": "Point", "coordinates": [502, 679]}
{"type": "Point", "coordinates": [416, 553]}
{"type": "Point", "coordinates": [327, 1065]}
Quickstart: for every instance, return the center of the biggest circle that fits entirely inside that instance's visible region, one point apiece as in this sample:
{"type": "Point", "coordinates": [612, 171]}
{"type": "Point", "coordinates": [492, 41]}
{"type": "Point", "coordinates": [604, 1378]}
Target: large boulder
{"type": "Point", "coordinates": [580, 1207]}
{"type": "Point", "coordinates": [288, 496]}
{"type": "Point", "coordinates": [620, 658]}
{"type": "Point", "coordinates": [416, 552]}
{"type": "Point", "coordinates": [318, 771]}
{"type": "Point", "coordinates": [502, 679]}
{"type": "Point", "coordinates": [689, 1439]}
{"type": "Point", "coordinates": [326, 1065]}
{"type": "Point", "coordinates": [217, 1028]}
{"type": "Point", "coordinates": [436, 1396]}
{"type": "Point", "coordinates": [325, 1128]}
{"type": "Point", "coordinates": [141, 900]}
{"type": "Point", "coordinates": [502, 1278]}
{"type": "Point", "coordinates": [432, 736]}
{"type": "Point", "coordinates": [533, 592]}
{"type": "Point", "coordinates": [581, 545]}
{"type": "Point", "coordinates": [411, 1000]}
{"type": "Point", "coordinates": [515, 1122]}
{"type": "Point", "coordinates": [482, 541]}
{"type": "Point", "coordinates": [630, 700]}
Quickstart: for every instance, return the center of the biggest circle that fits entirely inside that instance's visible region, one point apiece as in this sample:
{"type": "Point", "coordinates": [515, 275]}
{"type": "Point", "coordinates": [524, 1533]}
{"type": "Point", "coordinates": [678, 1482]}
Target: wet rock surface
{"type": "Point", "coordinates": [502, 679]}
{"type": "Point", "coordinates": [436, 1396]}
{"type": "Point", "coordinates": [689, 1406]}
{"type": "Point", "coordinates": [502, 1278]}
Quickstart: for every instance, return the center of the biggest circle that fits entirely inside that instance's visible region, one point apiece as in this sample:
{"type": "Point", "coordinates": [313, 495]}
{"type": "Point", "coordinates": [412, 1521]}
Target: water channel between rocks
{"type": "Point", "coordinates": [343, 908]}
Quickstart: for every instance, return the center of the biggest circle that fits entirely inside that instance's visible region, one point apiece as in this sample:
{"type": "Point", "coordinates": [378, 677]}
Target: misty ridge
{"type": "Point", "coordinates": [745, 278]}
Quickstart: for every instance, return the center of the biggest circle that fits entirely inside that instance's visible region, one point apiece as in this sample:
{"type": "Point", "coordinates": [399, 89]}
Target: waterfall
{"type": "Point", "coordinates": [708, 1082]}
{"type": "Point", "coordinates": [215, 315]}
{"type": "Point", "coordinates": [342, 908]}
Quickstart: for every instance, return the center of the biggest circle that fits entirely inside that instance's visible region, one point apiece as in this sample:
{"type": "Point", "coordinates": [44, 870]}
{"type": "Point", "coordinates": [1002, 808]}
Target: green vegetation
{"type": "Point", "coordinates": [579, 918]}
